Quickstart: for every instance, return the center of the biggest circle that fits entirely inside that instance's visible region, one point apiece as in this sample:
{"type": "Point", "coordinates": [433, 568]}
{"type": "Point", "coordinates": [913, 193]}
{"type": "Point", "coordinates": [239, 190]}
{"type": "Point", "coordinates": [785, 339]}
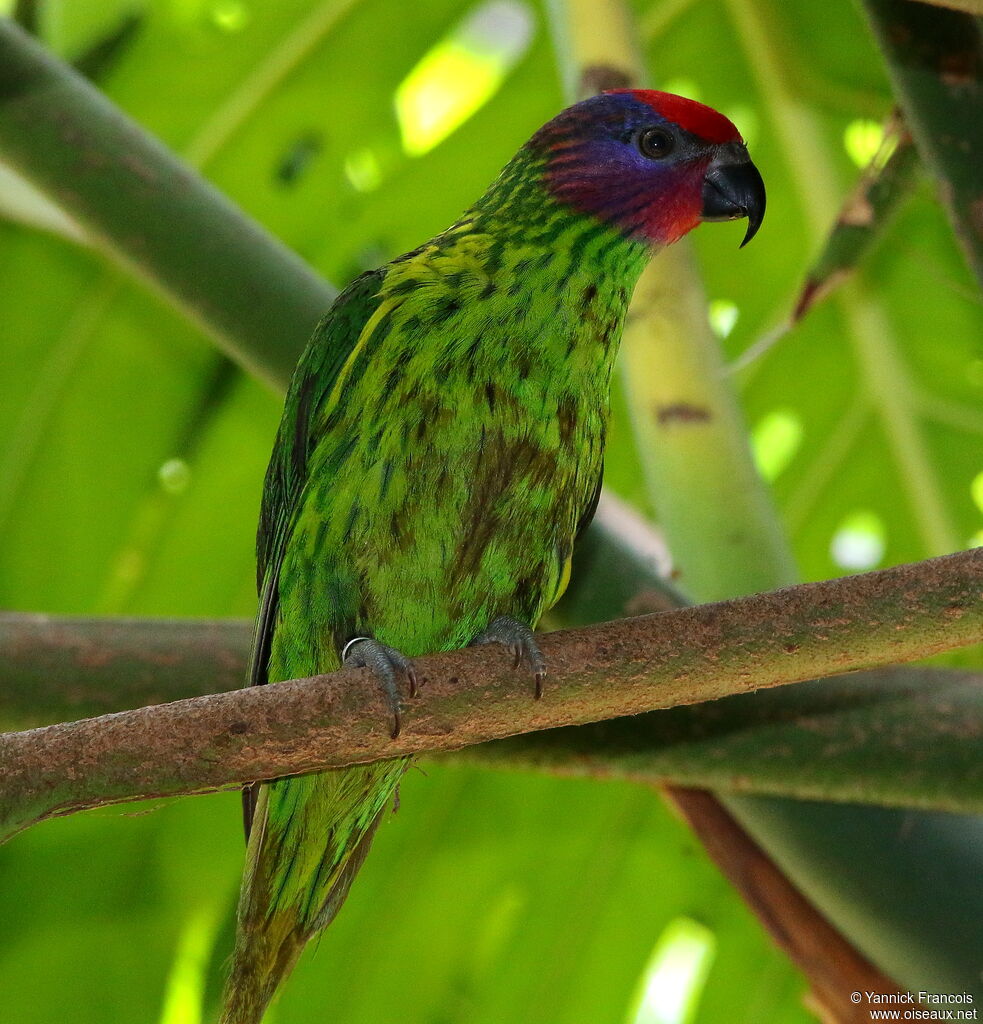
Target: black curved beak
{"type": "Point", "coordinates": [733, 188]}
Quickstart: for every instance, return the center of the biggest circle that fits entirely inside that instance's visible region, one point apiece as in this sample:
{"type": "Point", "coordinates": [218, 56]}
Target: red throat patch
{"type": "Point", "coordinates": [693, 117]}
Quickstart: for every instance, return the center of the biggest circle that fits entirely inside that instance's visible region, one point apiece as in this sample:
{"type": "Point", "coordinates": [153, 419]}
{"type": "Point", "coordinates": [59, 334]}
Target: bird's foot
{"type": "Point", "coordinates": [517, 638]}
{"type": "Point", "coordinates": [388, 666]}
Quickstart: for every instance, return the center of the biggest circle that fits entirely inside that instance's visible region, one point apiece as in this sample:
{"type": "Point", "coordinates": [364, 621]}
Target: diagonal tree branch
{"type": "Point", "coordinates": [832, 965]}
{"type": "Point", "coordinates": [901, 737]}
{"type": "Point", "coordinates": [152, 214]}
{"type": "Point", "coordinates": [884, 184]}
{"type": "Point", "coordinates": [618, 668]}
{"type": "Point", "coordinates": [935, 60]}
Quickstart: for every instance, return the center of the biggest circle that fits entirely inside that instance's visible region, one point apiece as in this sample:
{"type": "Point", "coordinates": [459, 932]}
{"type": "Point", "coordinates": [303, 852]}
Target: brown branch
{"type": "Point", "coordinates": [895, 737]}
{"type": "Point", "coordinates": [833, 966]}
{"type": "Point", "coordinates": [623, 667]}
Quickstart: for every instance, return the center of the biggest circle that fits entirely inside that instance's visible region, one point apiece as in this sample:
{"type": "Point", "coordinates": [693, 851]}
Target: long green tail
{"type": "Point", "coordinates": [308, 840]}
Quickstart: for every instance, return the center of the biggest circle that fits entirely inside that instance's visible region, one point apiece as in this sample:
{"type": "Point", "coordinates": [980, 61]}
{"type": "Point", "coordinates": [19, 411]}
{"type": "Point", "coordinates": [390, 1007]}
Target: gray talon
{"type": "Point", "coordinates": [517, 638]}
{"type": "Point", "coordinates": [388, 665]}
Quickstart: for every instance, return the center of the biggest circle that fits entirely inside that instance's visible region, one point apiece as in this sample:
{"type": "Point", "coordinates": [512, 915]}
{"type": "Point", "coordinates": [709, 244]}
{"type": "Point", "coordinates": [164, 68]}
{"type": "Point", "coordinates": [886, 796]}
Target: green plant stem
{"type": "Point", "coordinates": [935, 60]}
{"type": "Point", "coordinates": [683, 411]}
{"type": "Point", "coordinates": [152, 214]}
{"type": "Point", "coordinates": [700, 475]}
{"type": "Point", "coordinates": [598, 672]}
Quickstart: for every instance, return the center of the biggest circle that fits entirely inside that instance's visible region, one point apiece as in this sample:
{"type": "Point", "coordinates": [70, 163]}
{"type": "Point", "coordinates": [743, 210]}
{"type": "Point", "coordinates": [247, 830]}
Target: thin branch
{"type": "Point", "coordinates": [833, 966]}
{"type": "Point", "coordinates": [895, 737]}
{"type": "Point", "coordinates": [619, 668]}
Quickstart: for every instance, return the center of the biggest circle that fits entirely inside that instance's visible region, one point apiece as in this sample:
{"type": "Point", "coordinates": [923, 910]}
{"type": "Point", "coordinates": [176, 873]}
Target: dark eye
{"type": "Point", "coordinates": [655, 143]}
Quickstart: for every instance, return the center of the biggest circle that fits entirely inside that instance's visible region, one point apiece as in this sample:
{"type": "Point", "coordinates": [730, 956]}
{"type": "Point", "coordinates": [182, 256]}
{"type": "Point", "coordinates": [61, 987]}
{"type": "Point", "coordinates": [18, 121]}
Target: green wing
{"type": "Point", "coordinates": [313, 379]}
{"type": "Point", "coordinates": [330, 345]}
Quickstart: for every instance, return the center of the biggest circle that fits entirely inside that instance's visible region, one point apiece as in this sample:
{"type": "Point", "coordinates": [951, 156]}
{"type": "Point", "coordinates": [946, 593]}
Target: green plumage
{"type": "Point", "coordinates": [441, 444]}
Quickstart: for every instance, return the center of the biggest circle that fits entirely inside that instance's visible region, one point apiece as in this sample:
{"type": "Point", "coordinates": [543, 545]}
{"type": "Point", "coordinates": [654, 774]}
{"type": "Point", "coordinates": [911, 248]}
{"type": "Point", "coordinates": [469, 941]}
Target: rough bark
{"type": "Point", "coordinates": [618, 668]}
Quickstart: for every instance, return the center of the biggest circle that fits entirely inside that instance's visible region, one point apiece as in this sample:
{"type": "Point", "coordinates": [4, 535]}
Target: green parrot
{"type": "Point", "coordinates": [441, 447]}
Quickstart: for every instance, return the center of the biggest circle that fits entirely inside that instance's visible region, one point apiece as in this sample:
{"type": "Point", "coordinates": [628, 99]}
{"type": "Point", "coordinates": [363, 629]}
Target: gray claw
{"type": "Point", "coordinates": [388, 665]}
{"type": "Point", "coordinates": [517, 638]}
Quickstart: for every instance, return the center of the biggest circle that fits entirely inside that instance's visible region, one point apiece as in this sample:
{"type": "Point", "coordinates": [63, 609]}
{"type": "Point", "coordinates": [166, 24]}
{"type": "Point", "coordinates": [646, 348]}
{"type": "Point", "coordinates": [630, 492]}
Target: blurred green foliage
{"type": "Point", "coordinates": [131, 456]}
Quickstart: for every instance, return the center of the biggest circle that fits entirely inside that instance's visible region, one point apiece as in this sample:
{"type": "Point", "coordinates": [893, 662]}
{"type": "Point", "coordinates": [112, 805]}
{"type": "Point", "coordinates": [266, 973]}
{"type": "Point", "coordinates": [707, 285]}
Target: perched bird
{"type": "Point", "coordinates": [440, 449]}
